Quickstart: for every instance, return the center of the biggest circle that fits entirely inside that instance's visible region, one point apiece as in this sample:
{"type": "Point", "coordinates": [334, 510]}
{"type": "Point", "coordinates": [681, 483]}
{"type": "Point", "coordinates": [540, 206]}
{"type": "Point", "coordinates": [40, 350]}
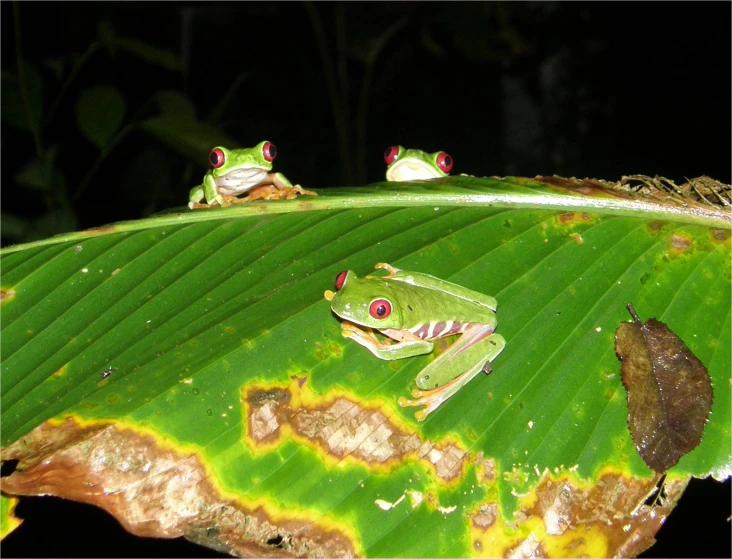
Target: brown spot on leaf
{"type": "Point", "coordinates": [655, 226]}
{"type": "Point", "coordinates": [6, 294]}
{"type": "Point", "coordinates": [485, 516]}
{"type": "Point", "coordinates": [571, 218]}
{"type": "Point", "coordinates": [102, 230]}
{"type": "Point", "coordinates": [527, 549]}
{"type": "Point", "coordinates": [613, 508]}
{"type": "Point", "coordinates": [154, 490]}
{"type": "Point", "coordinates": [341, 428]}
{"type": "Point", "coordinates": [720, 236]}
{"type": "Point", "coordinates": [680, 242]}
{"type": "Point", "coordinates": [668, 388]}
{"type": "Point", "coordinates": [485, 468]}
{"type": "Point", "coordinates": [589, 187]}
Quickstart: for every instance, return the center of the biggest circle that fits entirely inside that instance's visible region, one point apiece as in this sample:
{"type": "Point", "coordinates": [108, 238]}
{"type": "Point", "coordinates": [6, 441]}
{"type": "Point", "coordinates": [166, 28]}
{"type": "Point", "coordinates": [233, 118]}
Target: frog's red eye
{"type": "Point", "coordinates": [269, 151]}
{"type": "Point", "coordinates": [444, 162]}
{"type": "Point", "coordinates": [381, 308]}
{"type": "Point", "coordinates": [216, 158]}
{"type": "Point", "coordinates": [391, 154]}
{"type": "Point", "coordinates": [340, 280]}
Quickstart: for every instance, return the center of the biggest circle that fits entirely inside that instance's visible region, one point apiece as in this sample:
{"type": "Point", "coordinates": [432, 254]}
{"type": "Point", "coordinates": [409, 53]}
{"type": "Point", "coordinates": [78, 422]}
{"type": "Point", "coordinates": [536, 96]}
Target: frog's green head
{"type": "Point", "coordinates": [365, 302]}
{"type": "Point", "coordinates": [224, 161]}
{"type": "Point", "coordinates": [414, 164]}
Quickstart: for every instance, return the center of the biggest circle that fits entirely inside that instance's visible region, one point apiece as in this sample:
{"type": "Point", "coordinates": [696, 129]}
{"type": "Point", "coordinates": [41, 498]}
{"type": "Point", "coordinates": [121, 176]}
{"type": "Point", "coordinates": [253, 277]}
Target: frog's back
{"type": "Point", "coordinates": [424, 306]}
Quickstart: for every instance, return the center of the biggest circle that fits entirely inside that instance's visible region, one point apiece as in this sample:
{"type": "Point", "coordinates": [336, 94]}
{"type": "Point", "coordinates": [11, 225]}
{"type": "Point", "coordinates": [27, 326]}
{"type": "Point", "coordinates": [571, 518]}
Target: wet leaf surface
{"type": "Point", "coordinates": [668, 388]}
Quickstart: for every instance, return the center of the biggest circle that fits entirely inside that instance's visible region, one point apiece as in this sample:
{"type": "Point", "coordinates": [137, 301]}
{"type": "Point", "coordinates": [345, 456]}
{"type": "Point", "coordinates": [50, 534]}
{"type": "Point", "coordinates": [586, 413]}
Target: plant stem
{"type": "Point", "coordinates": [32, 123]}
{"type": "Point", "coordinates": [336, 102]}
{"type": "Point", "coordinates": [72, 76]}
{"type": "Point", "coordinates": [121, 135]}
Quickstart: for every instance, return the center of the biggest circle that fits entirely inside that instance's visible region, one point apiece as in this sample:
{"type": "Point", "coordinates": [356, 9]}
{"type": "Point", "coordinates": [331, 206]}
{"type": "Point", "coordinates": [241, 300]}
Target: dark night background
{"type": "Point", "coordinates": [538, 88]}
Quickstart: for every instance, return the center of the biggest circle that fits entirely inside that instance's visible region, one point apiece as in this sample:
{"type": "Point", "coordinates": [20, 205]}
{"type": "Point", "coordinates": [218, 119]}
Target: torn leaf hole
{"type": "Point", "coordinates": [8, 467]}
{"type": "Point", "coordinates": [658, 497]}
{"type": "Point", "coordinates": [277, 541]}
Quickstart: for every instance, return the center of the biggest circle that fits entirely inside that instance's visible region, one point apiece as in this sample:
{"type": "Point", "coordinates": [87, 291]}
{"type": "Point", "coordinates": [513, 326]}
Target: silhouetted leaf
{"type": "Point", "coordinates": [38, 172]}
{"type": "Point", "coordinates": [175, 104]}
{"type": "Point", "coordinates": [669, 391]}
{"type": "Point", "coordinates": [99, 113]}
{"type": "Point", "coordinates": [13, 112]}
{"type": "Point", "coordinates": [193, 139]}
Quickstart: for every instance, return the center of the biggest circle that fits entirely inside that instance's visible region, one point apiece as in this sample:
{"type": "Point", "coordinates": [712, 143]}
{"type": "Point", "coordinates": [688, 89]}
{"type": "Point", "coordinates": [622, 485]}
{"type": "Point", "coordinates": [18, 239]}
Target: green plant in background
{"type": "Point", "coordinates": [34, 103]}
{"type": "Point", "coordinates": [189, 364]}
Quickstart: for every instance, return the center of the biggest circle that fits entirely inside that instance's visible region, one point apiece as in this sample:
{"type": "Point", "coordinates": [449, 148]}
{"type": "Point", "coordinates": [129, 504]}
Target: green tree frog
{"type": "Point", "coordinates": [414, 164]}
{"type": "Point", "coordinates": [412, 310]}
{"type": "Point", "coordinates": [237, 171]}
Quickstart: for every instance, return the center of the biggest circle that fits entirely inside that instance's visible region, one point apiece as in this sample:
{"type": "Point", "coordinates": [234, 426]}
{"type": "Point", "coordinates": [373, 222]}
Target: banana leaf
{"type": "Point", "coordinates": [186, 374]}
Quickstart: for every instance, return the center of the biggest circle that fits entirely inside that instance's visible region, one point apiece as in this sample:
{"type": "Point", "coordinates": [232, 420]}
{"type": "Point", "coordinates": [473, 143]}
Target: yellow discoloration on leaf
{"type": "Point", "coordinates": [156, 487]}
{"type": "Point", "coordinates": [720, 236]}
{"type": "Point", "coordinates": [573, 218]}
{"type": "Point", "coordinates": [565, 516]}
{"type": "Point", "coordinates": [95, 231]}
{"type": "Point", "coordinates": [341, 429]}
{"type": "Point", "coordinates": [655, 226]}
{"type": "Point", "coordinates": [679, 242]}
{"type": "Point", "coordinates": [60, 373]}
{"type": "Point", "coordinates": [6, 294]}
{"type": "Point", "coordinates": [8, 520]}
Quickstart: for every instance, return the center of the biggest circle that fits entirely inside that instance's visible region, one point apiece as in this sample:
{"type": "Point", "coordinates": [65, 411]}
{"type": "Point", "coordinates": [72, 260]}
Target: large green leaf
{"type": "Point", "coordinates": [198, 346]}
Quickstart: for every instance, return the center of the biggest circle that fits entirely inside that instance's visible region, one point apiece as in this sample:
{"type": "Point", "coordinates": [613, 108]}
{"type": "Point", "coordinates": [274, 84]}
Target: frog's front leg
{"type": "Point", "coordinates": [211, 191]}
{"type": "Point", "coordinates": [195, 197]}
{"type": "Point", "coordinates": [474, 355]}
{"type": "Point", "coordinates": [392, 271]}
{"type": "Point", "coordinates": [408, 345]}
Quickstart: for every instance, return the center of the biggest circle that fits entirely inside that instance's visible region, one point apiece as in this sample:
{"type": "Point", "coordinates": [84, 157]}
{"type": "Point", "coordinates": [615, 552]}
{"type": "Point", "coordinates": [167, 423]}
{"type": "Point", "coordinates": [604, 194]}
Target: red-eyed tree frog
{"type": "Point", "coordinates": [237, 171]}
{"type": "Point", "coordinates": [413, 164]}
{"type": "Point", "coordinates": [413, 310]}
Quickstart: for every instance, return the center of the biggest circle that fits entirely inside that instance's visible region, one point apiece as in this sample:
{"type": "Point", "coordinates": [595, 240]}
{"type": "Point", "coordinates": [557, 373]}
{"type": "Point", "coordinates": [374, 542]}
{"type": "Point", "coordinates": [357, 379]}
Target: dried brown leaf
{"type": "Point", "coordinates": [669, 391]}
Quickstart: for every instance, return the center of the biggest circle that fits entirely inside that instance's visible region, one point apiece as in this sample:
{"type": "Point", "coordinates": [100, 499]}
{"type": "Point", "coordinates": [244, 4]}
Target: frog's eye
{"type": "Point", "coordinates": [391, 154]}
{"type": "Point", "coordinates": [269, 151]}
{"type": "Point", "coordinates": [380, 308]}
{"type": "Point", "coordinates": [444, 162]}
{"type": "Point", "coordinates": [340, 279]}
{"type": "Point", "coordinates": [216, 158]}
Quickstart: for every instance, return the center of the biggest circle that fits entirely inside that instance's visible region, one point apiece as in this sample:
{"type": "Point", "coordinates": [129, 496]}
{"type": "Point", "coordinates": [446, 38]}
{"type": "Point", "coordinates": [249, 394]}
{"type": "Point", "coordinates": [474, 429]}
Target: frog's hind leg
{"type": "Point", "coordinates": [489, 347]}
{"type": "Point", "coordinates": [433, 399]}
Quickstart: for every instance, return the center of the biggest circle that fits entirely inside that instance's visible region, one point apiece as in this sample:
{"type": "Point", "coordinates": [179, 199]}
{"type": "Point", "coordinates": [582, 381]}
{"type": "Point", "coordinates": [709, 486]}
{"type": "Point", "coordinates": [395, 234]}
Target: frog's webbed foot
{"type": "Point", "coordinates": [224, 202]}
{"type": "Point", "coordinates": [297, 189]}
{"type": "Point", "coordinates": [272, 192]}
{"type": "Point", "coordinates": [433, 399]}
{"type": "Point", "coordinates": [366, 338]}
{"type": "Point", "coordinates": [392, 271]}
{"type": "Point", "coordinates": [261, 192]}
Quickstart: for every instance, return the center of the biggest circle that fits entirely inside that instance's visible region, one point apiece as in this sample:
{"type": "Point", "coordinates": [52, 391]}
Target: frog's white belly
{"type": "Point", "coordinates": [241, 180]}
{"type": "Point", "coordinates": [411, 170]}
